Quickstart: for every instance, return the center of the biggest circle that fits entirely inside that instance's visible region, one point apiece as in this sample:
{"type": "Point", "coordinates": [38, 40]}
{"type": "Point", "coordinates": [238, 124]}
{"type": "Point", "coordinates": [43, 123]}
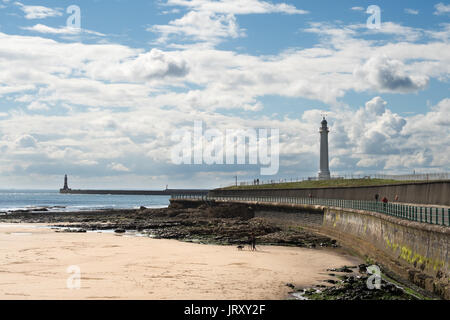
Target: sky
{"type": "Point", "coordinates": [100, 101]}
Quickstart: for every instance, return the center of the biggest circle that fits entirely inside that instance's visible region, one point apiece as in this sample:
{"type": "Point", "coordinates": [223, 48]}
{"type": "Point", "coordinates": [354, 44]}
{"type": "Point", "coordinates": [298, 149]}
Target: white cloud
{"type": "Point", "coordinates": [237, 7]}
{"type": "Point", "coordinates": [15, 88]}
{"type": "Point", "coordinates": [443, 35]}
{"type": "Point", "coordinates": [213, 21]}
{"type": "Point", "coordinates": [118, 167]}
{"type": "Point", "coordinates": [36, 106]}
{"type": "Point", "coordinates": [442, 8]}
{"type": "Point", "coordinates": [26, 141]}
{"type": "Point", "coordinates": [411, 11]}
{"type": "Point", "coordinates": [357, 8]}
{"type": "Point", "coordinates": [60, 31]}
{"type": "Point", "coordinates": [399, 31]}
{"type": "Point", "coordinates": [387, 141]}
{"type": "Point", "coordinates": [200, 26]}
{"type": "Point", "coordinates": [376, 106]}
{"type": "Point", "coordinates": [152, 65]}
{"type": "Point", "coordinates": [389, 75]}
{"type": "Point", "coordinates": [38, 12]}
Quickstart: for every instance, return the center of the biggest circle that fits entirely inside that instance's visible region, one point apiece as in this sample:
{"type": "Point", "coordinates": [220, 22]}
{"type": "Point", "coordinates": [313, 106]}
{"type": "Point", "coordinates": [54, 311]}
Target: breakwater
{"type": "Point", "coordinates": [166, 192]}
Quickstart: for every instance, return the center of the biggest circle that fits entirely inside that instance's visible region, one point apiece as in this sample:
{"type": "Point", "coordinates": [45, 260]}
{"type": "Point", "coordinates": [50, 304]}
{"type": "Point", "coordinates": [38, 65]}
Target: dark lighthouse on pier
{"type": "Point", "coordinates": [66, 185]}
{"type": "Point", "coordinates": [166, 192]}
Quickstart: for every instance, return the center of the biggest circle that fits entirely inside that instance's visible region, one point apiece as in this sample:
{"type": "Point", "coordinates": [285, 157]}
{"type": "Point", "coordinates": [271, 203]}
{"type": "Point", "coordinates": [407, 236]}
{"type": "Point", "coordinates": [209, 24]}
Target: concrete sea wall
{"type": "Point", "coordinates": [416, 251]}
{"type": "Point", "coordinates": [431, 192]}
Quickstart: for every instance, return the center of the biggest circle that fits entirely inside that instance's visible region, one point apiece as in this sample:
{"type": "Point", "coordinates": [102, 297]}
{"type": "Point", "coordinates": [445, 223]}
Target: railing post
{"type": "Point", "coordinates": [431, 214]}
{"type": "Point", "coordinates": [448, 217]}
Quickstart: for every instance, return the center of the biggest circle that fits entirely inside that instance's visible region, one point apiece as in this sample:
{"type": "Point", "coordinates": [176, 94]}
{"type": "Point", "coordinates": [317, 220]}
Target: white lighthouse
{"type": "Point", "coordinates": [324, 173]}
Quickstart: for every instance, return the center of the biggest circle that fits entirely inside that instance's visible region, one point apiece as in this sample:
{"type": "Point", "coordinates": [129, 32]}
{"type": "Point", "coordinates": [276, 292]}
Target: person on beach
{"type": "Point", "coordinates": [252, 242]}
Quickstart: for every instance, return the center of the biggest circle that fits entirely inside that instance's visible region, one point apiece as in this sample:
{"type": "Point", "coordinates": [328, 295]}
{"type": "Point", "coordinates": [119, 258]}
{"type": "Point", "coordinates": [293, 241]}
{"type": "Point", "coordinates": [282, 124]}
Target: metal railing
{"type": "Point", "coordinates": [423, 214]}
{"type": "Point", "coordinates": [404, 177]}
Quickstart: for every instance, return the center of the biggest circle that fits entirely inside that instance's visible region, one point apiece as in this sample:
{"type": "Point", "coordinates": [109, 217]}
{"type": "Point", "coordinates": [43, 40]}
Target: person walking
{"type": "Point", "coordinates": [377, 196]}
{"type": "Point", "coordinates": [385, 201]}
{"type": "Point", "coordinates": [252, 242]}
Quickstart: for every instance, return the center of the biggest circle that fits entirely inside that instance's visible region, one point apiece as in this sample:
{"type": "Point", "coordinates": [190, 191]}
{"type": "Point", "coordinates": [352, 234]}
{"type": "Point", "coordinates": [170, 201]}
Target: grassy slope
{"type": "Point", "coordinates": [322, 184]}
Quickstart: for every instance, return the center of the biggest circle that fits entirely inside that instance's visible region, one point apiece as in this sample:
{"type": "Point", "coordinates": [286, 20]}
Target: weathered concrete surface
{"type": "Point", "coordinates": [431, 192]}
{"type": "Point", "coordinates": [414, 250]}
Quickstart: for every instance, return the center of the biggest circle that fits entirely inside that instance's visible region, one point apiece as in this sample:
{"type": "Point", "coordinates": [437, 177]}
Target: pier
{"type": "Point", "coordinates": [165, 192]}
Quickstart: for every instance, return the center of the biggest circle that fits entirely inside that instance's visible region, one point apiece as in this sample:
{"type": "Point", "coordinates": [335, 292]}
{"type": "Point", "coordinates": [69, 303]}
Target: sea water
{"type": "Point", "coordinates": [52, 200]}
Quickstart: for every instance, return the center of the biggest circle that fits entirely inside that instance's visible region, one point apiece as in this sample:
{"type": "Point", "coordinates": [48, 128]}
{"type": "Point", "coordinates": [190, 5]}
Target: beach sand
{"type": "Point", "coordinates": [34, 263]}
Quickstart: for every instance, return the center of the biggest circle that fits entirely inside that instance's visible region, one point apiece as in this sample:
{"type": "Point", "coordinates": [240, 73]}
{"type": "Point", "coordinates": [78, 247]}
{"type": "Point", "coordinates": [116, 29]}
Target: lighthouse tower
{"type": "Point", "coordinates": [324, 173]}
{"type": "Point", "coordinates": [66, 186]}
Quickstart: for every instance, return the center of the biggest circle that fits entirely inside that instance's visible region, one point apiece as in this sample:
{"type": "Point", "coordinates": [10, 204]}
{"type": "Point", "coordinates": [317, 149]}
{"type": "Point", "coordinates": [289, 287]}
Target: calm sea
{"type": "Point", "coordinates": [11, 200]}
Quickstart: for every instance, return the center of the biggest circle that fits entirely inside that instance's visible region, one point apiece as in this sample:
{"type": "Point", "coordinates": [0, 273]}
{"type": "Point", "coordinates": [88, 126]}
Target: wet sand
{"type": "Point", "coordinates": [34, 263]}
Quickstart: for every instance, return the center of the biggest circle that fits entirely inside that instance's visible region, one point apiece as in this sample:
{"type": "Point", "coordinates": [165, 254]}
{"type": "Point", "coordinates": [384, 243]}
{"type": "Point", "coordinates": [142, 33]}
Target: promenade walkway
{"type": "Point", "coordinates": [431, 214]}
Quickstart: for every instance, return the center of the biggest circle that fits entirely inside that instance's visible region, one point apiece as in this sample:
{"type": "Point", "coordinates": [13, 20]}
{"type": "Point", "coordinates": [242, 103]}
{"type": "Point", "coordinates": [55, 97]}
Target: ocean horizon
{"type": "Point", "coordinates": [28, 199]}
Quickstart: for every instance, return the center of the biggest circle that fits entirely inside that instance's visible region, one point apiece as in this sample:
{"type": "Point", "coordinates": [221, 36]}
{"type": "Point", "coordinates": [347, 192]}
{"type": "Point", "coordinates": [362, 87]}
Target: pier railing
{"type": "Point", "coordinates": [423, 214]}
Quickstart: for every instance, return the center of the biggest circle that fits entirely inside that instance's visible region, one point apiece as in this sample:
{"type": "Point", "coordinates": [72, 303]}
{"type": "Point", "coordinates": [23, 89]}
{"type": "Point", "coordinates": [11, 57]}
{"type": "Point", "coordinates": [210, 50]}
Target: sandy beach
{"type": "Point", "coordinates": [35, 260]}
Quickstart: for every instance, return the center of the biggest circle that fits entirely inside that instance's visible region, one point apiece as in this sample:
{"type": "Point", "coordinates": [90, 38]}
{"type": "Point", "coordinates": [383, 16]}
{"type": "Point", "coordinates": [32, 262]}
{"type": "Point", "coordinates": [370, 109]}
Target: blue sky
{"type": "Point", "coordinates": [101, 103]}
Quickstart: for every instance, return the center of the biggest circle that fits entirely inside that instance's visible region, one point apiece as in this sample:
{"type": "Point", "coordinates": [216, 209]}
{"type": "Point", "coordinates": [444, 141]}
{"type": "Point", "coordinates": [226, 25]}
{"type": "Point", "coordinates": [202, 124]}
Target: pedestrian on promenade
{"type": "Point", "coordinates": [385, 201]}
{"type": "Point", "coordinates": [396, 197]}
{"type": "Point", "coordinates": [377, 196]}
